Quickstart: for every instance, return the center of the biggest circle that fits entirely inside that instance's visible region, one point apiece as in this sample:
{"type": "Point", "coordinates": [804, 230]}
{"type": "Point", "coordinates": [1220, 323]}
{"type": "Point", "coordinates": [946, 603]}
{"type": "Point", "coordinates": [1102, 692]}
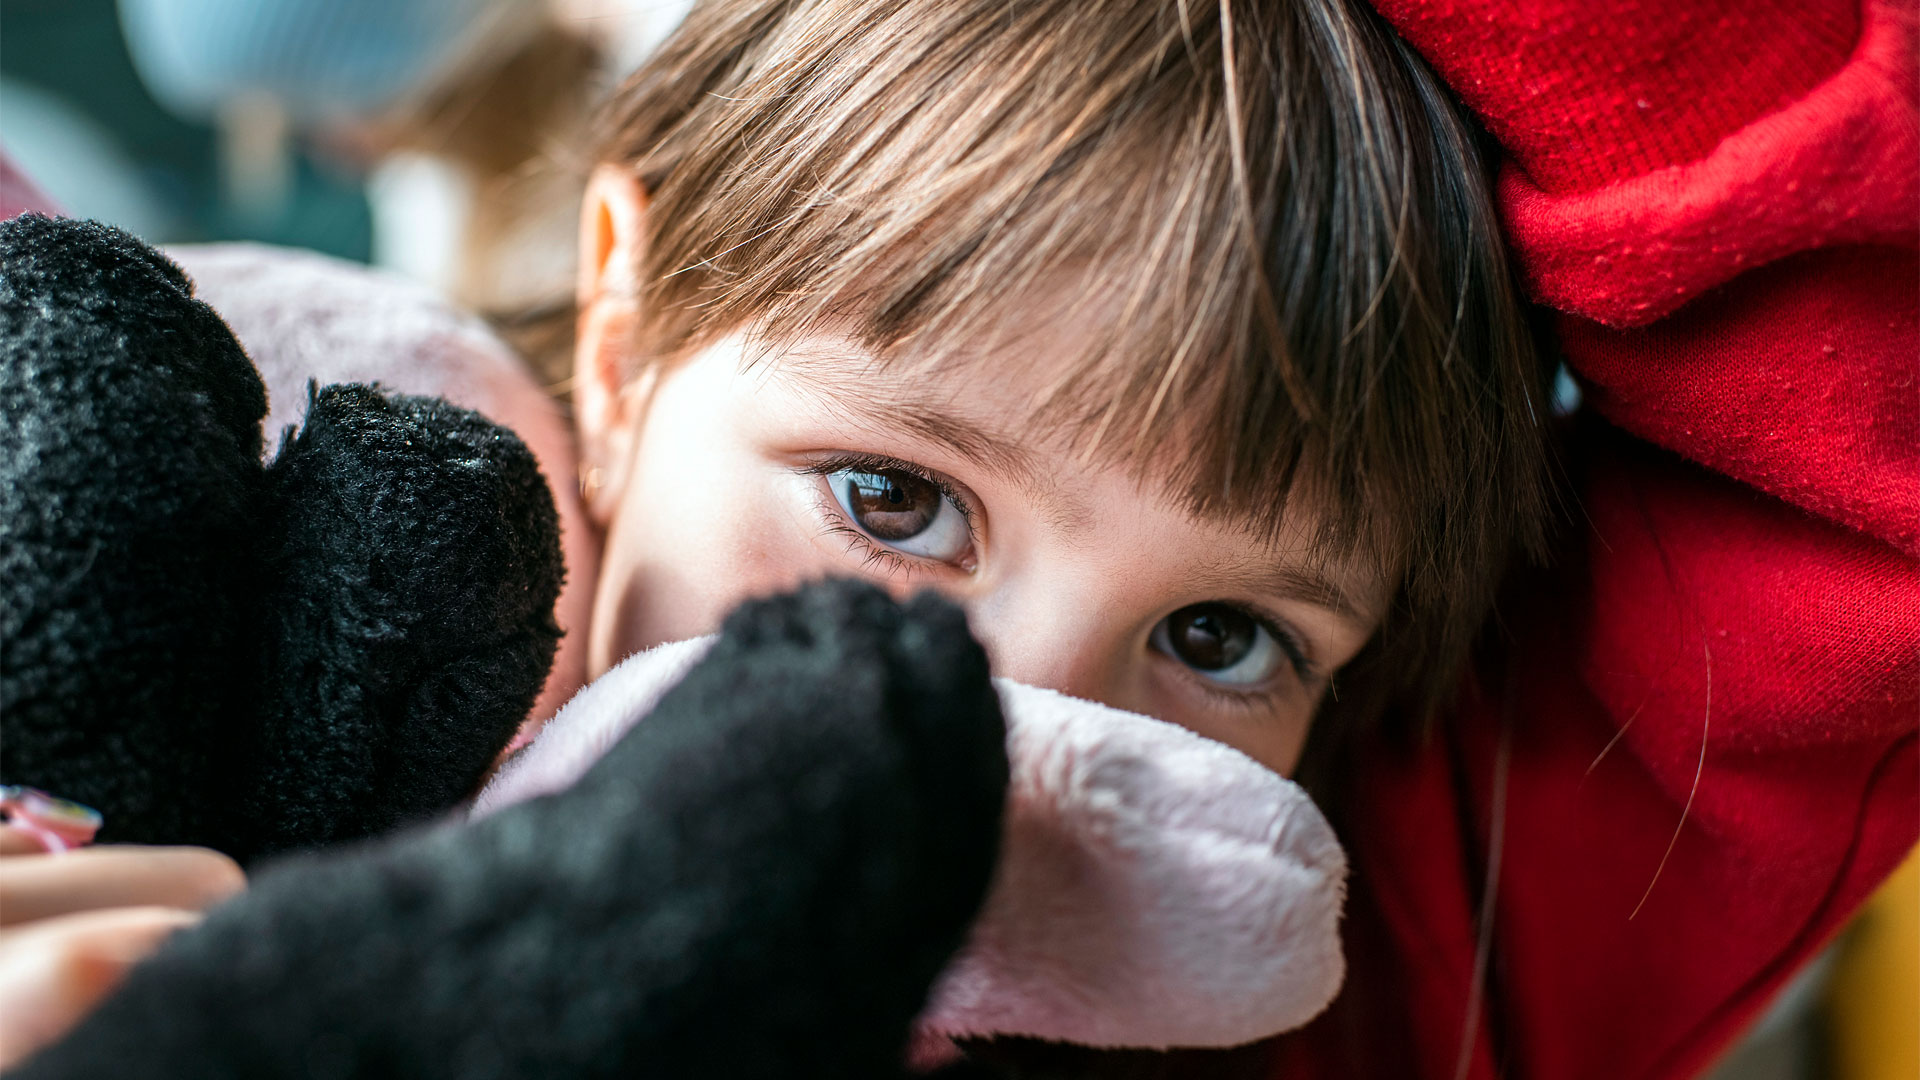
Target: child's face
{"type": "Point", "coordinates": [727, 479]}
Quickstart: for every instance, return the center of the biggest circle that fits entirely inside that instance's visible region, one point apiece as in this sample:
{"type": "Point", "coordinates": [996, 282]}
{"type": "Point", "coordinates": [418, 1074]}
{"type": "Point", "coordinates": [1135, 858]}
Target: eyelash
{"type": "Point", "coordinates": [892, 563]}
{"type": "Point", "coordinates": [1290, 643]}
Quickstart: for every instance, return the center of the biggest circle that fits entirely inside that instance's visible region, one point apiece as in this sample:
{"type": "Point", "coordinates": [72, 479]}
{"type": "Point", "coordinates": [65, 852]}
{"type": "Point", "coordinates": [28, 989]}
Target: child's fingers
{"type": "Point", "coordinates": [15, 841]}
{"type": "Point", "coordinates": [55, 970]}
{"type": "Point", "coordinates": [112, 876]}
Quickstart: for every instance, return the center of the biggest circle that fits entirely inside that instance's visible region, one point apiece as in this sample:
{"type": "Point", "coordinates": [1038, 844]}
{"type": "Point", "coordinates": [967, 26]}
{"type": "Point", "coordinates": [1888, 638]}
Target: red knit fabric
{"type": "Point", "coordinates": [1701, 750]}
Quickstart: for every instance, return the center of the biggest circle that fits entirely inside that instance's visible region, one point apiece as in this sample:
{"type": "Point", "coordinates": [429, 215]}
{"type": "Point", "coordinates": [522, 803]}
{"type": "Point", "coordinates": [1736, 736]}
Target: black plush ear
{"type": "Point", "coordinates": [129, 467]}
{"type": "Point", "coordinates": [415, 560]}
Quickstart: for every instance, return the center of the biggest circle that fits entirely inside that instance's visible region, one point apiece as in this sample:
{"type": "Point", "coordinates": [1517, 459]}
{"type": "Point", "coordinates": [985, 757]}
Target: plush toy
{"type": "Point", "coordinates": [792, 850]}
{"type": "Point", "coordinates": [763, 882]}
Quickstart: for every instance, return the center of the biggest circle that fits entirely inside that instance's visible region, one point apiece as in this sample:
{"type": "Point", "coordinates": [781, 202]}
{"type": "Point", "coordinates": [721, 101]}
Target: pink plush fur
{"type": "Point", "coordinates": [1155, 888]}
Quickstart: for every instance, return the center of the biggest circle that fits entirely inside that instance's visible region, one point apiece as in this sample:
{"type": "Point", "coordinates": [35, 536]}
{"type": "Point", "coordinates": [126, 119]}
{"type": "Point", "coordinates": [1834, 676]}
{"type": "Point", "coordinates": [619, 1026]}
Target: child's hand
{"type": "Point", "coordinates": [72, 924]}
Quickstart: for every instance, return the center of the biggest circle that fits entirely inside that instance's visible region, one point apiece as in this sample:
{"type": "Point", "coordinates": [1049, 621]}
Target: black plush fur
{"type": "Point", "coordinates": [215, 652]}
{"type": "Point", "coordinates": [129, 469]}
{"type": "Point", "coordinates": [761, 880]}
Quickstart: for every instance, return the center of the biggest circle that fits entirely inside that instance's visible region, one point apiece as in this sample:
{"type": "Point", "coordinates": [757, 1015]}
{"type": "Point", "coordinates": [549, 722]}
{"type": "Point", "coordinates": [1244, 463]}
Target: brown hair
{"type": "Point", "coordinates": [1280, 212]}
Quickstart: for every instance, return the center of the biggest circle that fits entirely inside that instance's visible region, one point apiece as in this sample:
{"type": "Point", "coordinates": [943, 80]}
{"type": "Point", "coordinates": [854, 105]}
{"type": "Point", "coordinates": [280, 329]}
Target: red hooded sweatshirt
{"type": "Point", "coordinates": [1697, 753]}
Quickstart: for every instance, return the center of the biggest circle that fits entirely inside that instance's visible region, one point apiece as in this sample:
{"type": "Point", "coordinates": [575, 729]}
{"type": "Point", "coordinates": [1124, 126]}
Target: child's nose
{"type": "Point", "coordinates": [1057, 642]}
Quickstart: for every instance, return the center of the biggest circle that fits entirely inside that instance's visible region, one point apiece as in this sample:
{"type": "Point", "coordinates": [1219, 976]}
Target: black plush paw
{"type": "Point", "coordinates": [761, 879]}
{"type": "Point", "coordinates": [849, 755]}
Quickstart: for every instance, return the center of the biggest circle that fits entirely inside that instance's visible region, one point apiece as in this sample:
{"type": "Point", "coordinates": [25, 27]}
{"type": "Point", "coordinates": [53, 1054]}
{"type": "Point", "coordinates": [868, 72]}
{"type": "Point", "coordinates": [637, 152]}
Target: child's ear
{"type": "Point", "coordinates": [607, 400]}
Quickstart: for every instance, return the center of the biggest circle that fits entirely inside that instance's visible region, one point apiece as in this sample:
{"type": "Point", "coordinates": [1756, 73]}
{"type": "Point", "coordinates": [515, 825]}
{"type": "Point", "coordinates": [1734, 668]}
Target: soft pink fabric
{"type": "Point", "coordinates": [1154, 889]}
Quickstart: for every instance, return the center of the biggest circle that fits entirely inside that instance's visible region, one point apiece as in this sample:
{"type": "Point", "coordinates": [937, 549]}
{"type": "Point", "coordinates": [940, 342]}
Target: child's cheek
{"type": "Point", "coordinates": [703, 524]}
{"type": "Point", "coordinates": [674, 573]}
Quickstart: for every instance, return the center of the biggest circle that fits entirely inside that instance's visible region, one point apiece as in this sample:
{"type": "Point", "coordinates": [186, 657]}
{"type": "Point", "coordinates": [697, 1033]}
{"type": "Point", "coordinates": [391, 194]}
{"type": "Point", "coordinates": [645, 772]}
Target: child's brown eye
{"type": "Point", "coordinates": [1225, 643]}
{"type": "Point", "coordinates": [903, 511]}
{"type": "Point", "coordinates": [891, 504]}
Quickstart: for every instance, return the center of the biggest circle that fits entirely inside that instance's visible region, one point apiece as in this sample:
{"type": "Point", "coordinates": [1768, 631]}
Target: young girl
{"type": "Point", "coordinates": [1176, 342]}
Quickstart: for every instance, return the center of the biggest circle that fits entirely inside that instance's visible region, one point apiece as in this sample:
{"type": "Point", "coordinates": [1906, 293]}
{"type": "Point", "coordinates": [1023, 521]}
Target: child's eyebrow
{"type": "Point", "coordinates": [871, 398]}
{"type": "Point", "coordinates": [1305, 583]}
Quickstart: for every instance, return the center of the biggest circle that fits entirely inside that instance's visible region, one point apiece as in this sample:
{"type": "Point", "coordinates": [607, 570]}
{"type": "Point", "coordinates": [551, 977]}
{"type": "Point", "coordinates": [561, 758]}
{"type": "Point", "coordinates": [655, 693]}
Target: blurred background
{"type": "Point", "coordinates": [438, 138]}
{"type": "Point", "coordinates": [443, 139]}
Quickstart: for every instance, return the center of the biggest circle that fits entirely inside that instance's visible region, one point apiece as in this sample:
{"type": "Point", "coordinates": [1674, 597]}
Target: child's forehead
{"type": "Point", "coordinates": [983, 403]}
{"type": "Point", "coordinates": [1004, 396]}
{"type": "Point", "coordinates": [1003, 369]}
